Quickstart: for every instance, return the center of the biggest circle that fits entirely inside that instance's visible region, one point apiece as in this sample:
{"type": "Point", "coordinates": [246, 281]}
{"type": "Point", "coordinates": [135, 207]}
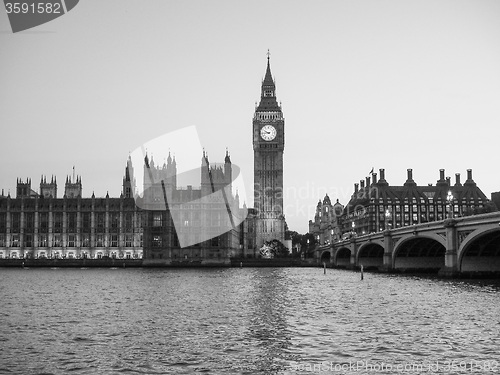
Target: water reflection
{"type": "Point", "coordinates": [245, 321]}
{"type": "Point", "coordinates": [268, 329]}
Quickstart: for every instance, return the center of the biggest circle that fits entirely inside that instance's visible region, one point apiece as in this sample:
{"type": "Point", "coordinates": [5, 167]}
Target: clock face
{"type": "Point", "coordinates": [268, 132]}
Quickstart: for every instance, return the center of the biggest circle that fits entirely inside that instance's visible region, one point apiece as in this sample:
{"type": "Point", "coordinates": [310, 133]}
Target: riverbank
{"type": "Point", "coordinates": [110, 262]}
{"type": "Point", "coordinates": [71, 263]}
{"type": "Point", "coordinates": [233, 262]}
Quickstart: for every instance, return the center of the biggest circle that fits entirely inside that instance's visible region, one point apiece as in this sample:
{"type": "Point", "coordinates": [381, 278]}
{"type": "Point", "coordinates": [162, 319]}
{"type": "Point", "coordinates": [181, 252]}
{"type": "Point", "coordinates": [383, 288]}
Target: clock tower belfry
{"type": "Point", "coordinates": [268, 146]}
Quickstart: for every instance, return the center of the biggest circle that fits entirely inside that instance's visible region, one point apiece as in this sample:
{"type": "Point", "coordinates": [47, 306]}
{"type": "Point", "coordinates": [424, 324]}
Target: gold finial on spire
{"type": "Point", "coordinates": [268, 54]}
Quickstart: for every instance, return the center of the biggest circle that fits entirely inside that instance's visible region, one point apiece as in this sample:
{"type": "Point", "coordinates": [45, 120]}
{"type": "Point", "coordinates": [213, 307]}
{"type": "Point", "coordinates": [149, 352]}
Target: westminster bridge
{"type": "Point", "coordinates": [454, 246]}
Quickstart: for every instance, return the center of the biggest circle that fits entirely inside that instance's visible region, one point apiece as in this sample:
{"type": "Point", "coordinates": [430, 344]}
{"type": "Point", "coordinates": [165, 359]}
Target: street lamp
{"type": "Point", "coordinates": [387, 218]}
{"type": "Point", "coordinates": [353, 227]}
{"type": "Point", "coordinates": [449, 198]}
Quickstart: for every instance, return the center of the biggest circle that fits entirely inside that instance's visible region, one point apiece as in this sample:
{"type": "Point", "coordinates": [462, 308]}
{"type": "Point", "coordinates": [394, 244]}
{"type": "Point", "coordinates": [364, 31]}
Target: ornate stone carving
{"type": "Point", "coordinates": [442, 234]}
{"type": "Point", "coordinates": [462, 235]}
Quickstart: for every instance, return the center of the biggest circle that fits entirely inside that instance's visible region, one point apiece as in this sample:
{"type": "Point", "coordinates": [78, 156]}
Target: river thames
{"type": "Point", "coordinates": [244, 321]}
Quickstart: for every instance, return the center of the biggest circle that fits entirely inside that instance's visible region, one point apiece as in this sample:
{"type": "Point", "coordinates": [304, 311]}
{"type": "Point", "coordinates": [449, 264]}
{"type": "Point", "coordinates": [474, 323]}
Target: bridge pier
{"type": "Point", "coordinates": [388, 249]}
{"type": "Point", "coordinates": [450, 268]}
{"type": "Point", "coordinates": [354, 253]}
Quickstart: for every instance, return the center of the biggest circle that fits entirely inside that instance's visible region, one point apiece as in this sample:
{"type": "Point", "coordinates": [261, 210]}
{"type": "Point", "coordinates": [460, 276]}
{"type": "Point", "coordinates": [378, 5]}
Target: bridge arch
{"type": "Point", "coordinates": [326, 256]}
{"type": "Point", "coordinates": [480, 251]}
{"type": "Point", "coordinates": [370, 255]}
{"type": "Point", "coordinates": [343, 257]}
{"type": "Point", "coordinates": [420, 252]}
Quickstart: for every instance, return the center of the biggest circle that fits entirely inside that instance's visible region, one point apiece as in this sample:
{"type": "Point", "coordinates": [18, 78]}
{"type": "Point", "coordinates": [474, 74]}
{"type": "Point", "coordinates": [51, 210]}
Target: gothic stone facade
{"type": "Point", "coordinates": [158, 225]}
{"type": "Point", "coordinates": [41, 225]}
{"type": "Point", "coordinates": [188, 225]}
{"type": "Point", "coordinates": [268, 146]}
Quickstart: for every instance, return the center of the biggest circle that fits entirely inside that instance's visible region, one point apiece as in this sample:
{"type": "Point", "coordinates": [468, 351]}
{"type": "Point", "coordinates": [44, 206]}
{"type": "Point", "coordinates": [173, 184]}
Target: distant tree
{"type": "Point", "coordinates": [308, 247]}
{"type": "Point", "coordinates": [274, 249]}
{"type": "Point", "coordinates": [293, 235]}
{"type": "Point", "coordinates": [265, 251]}
{"type": "Point", "coordinates": [311, 238]}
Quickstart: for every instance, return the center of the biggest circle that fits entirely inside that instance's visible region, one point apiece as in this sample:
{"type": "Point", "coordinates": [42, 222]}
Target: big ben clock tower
{"type": "Point", "coordinates": [268, 146]}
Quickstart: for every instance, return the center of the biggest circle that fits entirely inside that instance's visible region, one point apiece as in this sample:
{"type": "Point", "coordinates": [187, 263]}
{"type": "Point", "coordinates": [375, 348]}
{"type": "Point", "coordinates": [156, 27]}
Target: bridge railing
{"type": "Point", "coordinates": [479, 218]}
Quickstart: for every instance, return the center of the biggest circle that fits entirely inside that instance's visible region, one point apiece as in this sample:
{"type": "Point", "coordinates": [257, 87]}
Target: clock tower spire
{"type": "Point", "coordinates": [268, 146]}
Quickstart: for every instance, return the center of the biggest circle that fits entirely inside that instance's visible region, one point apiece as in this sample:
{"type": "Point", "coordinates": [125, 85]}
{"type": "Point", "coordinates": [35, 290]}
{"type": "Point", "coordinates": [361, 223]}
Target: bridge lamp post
{"type": "Point", "coordinates": [387, 218]}
{"type": "Point", "coordinates": [449, 198]}
{"type": "Point", "coordinates": [354, 227]}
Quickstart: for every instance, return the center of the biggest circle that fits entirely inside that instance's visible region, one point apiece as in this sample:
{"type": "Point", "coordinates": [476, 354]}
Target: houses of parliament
{"type": "Point", "coordinates": [167, 223]}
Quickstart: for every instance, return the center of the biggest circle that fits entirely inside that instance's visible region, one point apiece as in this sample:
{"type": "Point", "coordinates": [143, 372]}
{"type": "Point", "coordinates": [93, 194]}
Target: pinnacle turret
{"type": "Point", "coordinates": [268, 101]}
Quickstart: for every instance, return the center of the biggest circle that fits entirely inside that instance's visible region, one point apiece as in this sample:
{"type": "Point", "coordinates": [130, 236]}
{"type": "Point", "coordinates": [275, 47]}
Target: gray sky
{"type": "Point", "coordinates": [384, 84]}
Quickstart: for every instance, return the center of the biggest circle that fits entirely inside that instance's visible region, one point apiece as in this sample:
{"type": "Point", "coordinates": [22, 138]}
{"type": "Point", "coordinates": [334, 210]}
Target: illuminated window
{"type": "Point", "coordinates": [42, 240]}
{"type": "Point", "coordinates": [99, 240]}
{"type": "Point", "coordinates": [157, 219]}
{"type": "Point", "coordinates": [128, 240]}
{"type": "Point", "coordinates": [156, 241]}
{"type": "Point", "coordinates": [86, 241]}
{"type": "Point", "coordinates": [15, 240]}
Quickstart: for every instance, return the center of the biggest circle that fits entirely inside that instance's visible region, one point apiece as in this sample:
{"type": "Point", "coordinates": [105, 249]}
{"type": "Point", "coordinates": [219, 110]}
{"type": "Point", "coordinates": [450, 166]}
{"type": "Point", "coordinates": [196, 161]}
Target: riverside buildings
{"type": "Point", "coordinates": [375, 206]}
{"type": "Point", "coordinates": [41, 225]}
{"type": "Point", "coordinates": [167, 223]}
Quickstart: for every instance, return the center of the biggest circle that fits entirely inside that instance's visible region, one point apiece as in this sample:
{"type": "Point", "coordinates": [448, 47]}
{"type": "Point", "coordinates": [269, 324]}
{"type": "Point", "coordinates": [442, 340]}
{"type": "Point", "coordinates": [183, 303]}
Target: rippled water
{"type": "Point", "coordinates": [247, 321]}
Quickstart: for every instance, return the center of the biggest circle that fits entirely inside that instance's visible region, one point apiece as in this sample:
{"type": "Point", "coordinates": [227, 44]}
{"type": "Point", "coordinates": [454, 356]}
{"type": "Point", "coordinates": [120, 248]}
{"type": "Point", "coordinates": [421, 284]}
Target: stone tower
{"type": "Point", "coordinates": [215, 177]}
{"type": "Point", "coordinates": [73, 188]}
{"type": "Point", "coordinates": [159, 181]}
{"type": "Point", "coordinates": [268, 146]}
{"type": "Point", "coordinates": [48, 189]}
{"type": "Point", "coordinates": [23, 189]}
{"type": "Point", "coordinates": [129, 183]}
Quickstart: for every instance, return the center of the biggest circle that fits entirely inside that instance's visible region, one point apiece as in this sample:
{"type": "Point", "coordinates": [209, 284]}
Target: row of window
{"type": "Point", "coordinates": [71, 221]}
{"type": "Point", "coordinates": [397, 220]}
{"type": "Point", "coordinates": [414, 209]}
{"type": "Point", "coordinates": [42, 240]}
{"type": "Point", "coordinates": [186, 256]}
{"type": "Point", "coordinates": [157, 241]}
{"type": "Point", "coordinates": [56, 255]}
{"type": "Point", "coordinates": [431, 208]}
{"type": "Point", "coordinates": [71, 218]}
{"type": "Point", "coordinates": [191, 220]}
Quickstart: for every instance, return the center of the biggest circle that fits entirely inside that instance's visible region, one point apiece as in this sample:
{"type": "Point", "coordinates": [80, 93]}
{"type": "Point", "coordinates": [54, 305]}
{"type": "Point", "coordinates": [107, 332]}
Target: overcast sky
{"type": "Point", "coordinates": [383, 84]}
